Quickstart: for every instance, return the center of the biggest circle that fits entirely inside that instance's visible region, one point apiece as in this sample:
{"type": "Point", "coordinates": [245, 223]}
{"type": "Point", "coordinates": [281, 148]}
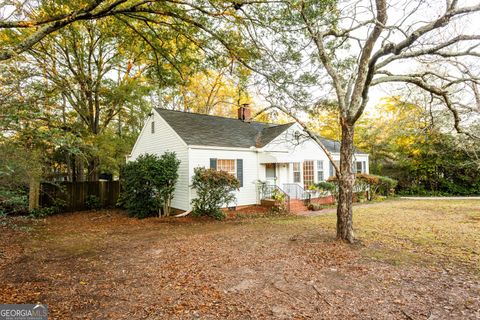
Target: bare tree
{"type": "Point", "coordinates": [351, 46]}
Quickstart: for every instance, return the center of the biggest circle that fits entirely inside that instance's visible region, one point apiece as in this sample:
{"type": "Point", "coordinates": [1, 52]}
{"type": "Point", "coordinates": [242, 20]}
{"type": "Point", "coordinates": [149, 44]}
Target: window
{"type": "Point", "coordinates": [320, 176]}
{"type": "Point", "coordinates": [296, 172]}
{"type": "Point", "coordinates": [360, 167]}
{"type": "Point", "coordinates": [153, 127]}
{"type": "Point", "coordinates": [308, 174]}
{"type": "Point", "coordinates": [270, 173]}
{"type": "Point", "coordinates": [227, 165]}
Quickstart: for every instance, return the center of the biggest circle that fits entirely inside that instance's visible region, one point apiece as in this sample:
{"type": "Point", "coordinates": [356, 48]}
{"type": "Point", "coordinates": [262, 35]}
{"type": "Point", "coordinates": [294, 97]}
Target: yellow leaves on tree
{"type": "Point", "coordinates": [212, 92]}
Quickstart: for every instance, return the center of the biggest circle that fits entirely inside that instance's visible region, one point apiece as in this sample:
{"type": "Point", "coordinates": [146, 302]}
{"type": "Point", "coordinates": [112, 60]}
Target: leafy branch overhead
{"type": "Point", "coordinates": [27, 25]}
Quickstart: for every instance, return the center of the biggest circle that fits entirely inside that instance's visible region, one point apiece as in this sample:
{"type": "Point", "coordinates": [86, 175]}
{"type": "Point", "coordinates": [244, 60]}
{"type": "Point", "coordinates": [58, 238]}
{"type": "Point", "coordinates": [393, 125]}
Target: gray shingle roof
{"type": "Point", "coordinates": [207, 130]}
{"type": "Point", "coordinates": [334, 146]}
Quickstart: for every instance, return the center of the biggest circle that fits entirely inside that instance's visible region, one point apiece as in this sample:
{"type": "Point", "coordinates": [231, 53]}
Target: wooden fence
{"type": "Point", "coordinates": [78, 195]}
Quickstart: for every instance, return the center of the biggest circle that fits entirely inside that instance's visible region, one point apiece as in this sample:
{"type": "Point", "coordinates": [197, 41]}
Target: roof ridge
{"type": "Point", "coordinates": [222, 117]}
{"type": "Point", "coordinates": [279, 125]}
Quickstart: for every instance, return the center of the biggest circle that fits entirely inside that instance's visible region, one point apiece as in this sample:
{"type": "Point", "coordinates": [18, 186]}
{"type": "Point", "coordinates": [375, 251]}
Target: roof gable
{"type": "Point", "coordinates": [332, 146]}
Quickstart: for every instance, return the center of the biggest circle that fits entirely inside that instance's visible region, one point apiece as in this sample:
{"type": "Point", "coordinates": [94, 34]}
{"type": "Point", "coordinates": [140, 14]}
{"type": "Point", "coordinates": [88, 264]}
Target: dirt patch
{"type": "Point", "coordinates": [104, 265]}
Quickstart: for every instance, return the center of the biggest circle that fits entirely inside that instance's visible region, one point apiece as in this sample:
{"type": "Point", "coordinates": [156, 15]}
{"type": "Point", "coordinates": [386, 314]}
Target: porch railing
{"type": "Point", "coordinates": [297, 192]}
{"type": "Point", "coordinates": [274, 192]}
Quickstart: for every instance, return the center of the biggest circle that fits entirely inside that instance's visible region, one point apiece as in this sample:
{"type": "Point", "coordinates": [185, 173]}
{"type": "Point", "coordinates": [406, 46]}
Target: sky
{"type": "Point", "coordinates": [432, 9]}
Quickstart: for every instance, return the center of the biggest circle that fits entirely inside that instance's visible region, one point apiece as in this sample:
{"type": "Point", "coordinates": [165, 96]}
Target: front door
{"type": "Point", "coordinates": [270, 173]}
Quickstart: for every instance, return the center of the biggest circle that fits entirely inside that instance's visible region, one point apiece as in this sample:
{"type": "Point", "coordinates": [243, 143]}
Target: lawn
{"type": "Point", "coordinates": [414, 260]}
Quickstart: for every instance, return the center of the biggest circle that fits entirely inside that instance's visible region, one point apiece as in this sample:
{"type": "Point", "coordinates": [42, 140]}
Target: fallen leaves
{"type": "Point", "coordinates": [277, 267]}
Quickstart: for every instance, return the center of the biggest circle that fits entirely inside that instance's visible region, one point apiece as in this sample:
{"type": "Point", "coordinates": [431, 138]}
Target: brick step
{"type": "Point", "coordinates": [297, 205]}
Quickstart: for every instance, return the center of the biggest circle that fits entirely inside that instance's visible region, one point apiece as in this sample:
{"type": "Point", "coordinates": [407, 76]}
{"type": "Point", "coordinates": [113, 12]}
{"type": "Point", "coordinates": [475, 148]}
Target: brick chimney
{"type": "Point", "coordinates": [244, 112]}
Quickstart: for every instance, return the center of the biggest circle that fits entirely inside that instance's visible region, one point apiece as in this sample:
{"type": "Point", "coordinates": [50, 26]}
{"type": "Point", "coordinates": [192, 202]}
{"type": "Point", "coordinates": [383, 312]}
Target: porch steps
{"type": "Point", "coordinates": [297, 205]}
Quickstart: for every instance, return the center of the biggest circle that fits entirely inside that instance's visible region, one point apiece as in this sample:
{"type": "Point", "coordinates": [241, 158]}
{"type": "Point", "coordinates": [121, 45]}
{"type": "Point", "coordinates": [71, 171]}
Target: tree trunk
{"type": "Point", "coordinates": [345, 185]}
{"type": "Point", "coordinates": [166, 207]}
{"type": "Point", "coordinates": [94, 169]}
{"type": "Point", "coordinates": [33, 194]}
{"type": "Point", "coordinates": [79, 167]}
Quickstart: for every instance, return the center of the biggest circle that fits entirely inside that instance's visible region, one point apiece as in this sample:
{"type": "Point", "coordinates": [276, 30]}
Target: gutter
{"type": "Point", "coordinates": [222, 148]}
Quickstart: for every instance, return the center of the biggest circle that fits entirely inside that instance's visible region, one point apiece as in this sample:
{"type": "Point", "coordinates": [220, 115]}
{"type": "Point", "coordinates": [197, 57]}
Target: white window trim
{"type": "Point", "coordinates": [317, 171]}
{"type": "Point", "coordinates": [363, 166]}
{"type": "Point", "coordinates": [299, 170]}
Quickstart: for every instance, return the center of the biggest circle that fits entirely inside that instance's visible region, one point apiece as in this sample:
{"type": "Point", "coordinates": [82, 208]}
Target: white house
{"type": "Point", "coordinates": [254, 152]}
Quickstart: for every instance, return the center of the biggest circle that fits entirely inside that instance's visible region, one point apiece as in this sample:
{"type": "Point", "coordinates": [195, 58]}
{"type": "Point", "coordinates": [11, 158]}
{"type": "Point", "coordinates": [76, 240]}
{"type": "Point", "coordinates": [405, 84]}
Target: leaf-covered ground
{"type": "Point", "coordinates": [416, 260]}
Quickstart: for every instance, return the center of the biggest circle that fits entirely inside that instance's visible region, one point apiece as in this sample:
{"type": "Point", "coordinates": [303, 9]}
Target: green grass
{"type": "Point", "coordinates": [418, 231]}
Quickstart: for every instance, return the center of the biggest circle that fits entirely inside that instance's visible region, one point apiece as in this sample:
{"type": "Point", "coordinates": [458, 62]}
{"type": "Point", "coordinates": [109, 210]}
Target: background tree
{"type": "Point", "coordinates": [93, 79]}
{"type": "Point", "coordinates": [100, 62]}
{"type": "Point", "coordinates": [208, 92]}
{"type": "Point", "coordinates": [405, 142]}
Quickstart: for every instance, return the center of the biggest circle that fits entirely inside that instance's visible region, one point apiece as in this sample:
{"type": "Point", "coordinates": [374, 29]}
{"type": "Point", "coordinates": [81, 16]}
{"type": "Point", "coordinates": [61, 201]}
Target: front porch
{"type": "Point", "coordinates": [292, 178]}
{"type": "Point", "coordinates": [279, 189]}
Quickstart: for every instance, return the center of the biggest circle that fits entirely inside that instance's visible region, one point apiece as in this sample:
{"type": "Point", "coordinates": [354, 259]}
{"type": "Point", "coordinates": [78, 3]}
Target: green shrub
{"type": "Point", "coordinates": [360, 196]}
{"type": "Point", "coordinates": [334, 191]}
{"type": "Point", "coordinates": [45, 212]}
{"type": "Point", "coordinates": [280, 202]}
{"type": "Point", "coordinates": [148, 184]}
{"type": "Point", "coordinates": [315, 206]}
{"type": "Point", "coordinates": [386, 186]}
{"type": "Point", "coordinates": [57, 206]}
{"type": "Point", "coordinates": [214, 190]}
{"type": "Point", "coordinates": [325, 187]}
{"type": "Point", "coordinates": [376, 185]}
{"type": "Point", "coordinates": [13, 201]}
{"type": "Point", "coordinates": [93, 202]}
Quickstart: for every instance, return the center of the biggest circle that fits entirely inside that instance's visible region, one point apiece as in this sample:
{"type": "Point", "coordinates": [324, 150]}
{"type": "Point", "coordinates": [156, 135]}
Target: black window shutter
{"type": "Point", "coordinates": [213, 163]}
{"type": "Point", "coordinates": [240, 171]}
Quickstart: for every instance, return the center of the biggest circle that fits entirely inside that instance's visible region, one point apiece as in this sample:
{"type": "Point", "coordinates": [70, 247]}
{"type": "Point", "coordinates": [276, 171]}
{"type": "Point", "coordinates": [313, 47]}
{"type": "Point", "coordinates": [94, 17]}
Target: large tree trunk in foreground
{"type": "Point", "coordinates": [345, 185]}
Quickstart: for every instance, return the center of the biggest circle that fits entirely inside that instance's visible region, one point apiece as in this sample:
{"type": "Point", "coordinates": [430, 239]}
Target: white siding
{"type": "Point", "coordinates": [306, 149]}
{"type": "Point", "coordinates": [363, 157]}
{"type": "Point", "coordinates": [247, 194]}
{"type": "Point", "coordinates": [287, 147]}
{"type": "Point", "coordinates": [165, 139]}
